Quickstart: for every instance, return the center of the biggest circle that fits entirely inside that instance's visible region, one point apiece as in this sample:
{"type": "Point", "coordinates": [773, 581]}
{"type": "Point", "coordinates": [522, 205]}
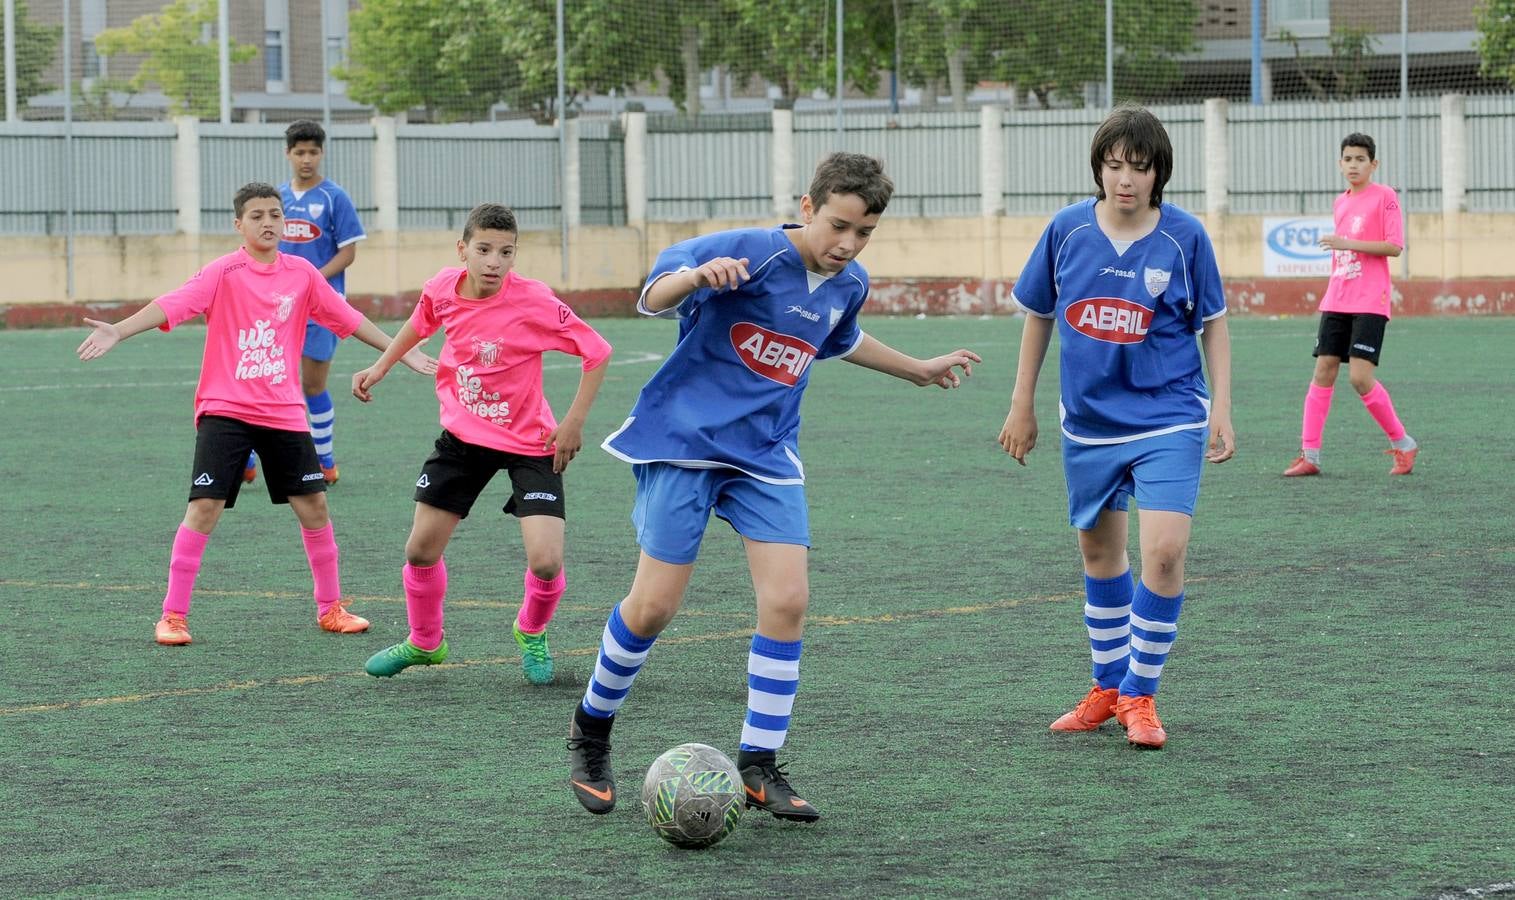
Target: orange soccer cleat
{"type": "Point", "coordinates": [1301, 466]}
{"type": "Point", "coordinates": [172, 630]}
{"type": "Point", "coordinates": [329, 474]}
{"type": "Point", "coordinates": [1143, 728]}
{"type": "Point", "coordinates": [1404, 460]}
{"type": "Point", "coordinates": [341, 621]}
{"type": "Point", "coordinates": [1091, 712]}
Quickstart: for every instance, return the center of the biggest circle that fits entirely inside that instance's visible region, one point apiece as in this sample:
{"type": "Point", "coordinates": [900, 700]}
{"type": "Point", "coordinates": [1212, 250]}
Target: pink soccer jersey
{"type": "Point", "coordinates": [489, 376]}
{"type": "Point", "coordinates": [1360, 281]}
{"type": "Point", "coordinates": [255, 317]}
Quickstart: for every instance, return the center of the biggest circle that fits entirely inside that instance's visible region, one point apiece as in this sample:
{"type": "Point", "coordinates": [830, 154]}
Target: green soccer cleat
{"type": "Point", "coordinates": [394, 660]}
{"type": "Point", "coordinates": [536, 659]}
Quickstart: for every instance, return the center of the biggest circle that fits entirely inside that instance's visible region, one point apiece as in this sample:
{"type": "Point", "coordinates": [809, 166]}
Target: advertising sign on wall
{"type": "Point", "coordinates": [1291, 247]}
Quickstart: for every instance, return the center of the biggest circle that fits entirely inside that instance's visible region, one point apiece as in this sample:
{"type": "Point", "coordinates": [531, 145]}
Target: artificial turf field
{"type": "Point", "coordinates": [1340, 701]}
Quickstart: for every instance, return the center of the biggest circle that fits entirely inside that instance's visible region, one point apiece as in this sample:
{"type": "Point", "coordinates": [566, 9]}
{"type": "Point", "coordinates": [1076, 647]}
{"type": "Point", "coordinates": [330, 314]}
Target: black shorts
{"type": "Point", "coordinates": [1347, 335]}
{"type": "Point", "coordinates": [290, 465]}
{"type": "Point", "coordinates": [457, 472]}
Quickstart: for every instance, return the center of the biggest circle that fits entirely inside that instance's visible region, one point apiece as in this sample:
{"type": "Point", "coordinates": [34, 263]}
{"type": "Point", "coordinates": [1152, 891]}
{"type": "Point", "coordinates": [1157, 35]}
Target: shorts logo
{"type": "Point", "coordinates": [540, 495]}
{"type": "Point", "coordinates": [423, 481]}
{"type": "Point", "coordinates": [1365, 348]}
{"type": "Point", "coordinates": [777, 357]}
{"type": "Point", "coordinates": [1109, 319]}
{"type": "Point", "coordinates": [1156, 280]}
{"type": "Point", "coordinates": [204, 480]}
{"type": "Point", "coordinates": [299, 231]}
{"type": "Point", "coordinates": [311, 476]}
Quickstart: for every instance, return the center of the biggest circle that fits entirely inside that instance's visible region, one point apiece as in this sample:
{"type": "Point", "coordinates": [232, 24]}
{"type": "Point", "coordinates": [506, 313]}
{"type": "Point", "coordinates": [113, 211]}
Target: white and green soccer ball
{"type": "Point", "coordinates": [693, 796]}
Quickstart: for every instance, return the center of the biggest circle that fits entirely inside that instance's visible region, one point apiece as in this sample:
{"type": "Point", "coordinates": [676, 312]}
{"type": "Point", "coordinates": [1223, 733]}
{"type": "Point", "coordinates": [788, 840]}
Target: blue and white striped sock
{"type": "Point", "coordinates": [621, 656]}
{"type": "Point", "coordinates": [323, 415]}
{"type": "Point", "coordinates": [1154, 625]}
{"type": "Point", "coordinates": [773, 678]}
{"type": "Point", "coordinates": [1107, 615]}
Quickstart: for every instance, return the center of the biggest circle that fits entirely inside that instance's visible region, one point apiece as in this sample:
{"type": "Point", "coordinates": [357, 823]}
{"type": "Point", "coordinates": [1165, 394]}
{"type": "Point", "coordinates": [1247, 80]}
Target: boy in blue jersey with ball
{"type": "Point", "coordinates": [320, 225]}
{"type": "Point", "coordinates": [716, 430]}
{"type": "Point", "coordinates": [1128, 281]}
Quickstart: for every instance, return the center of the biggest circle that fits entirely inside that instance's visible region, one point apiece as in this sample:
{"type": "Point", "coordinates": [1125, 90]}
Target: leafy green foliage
{"type": "Point", "coordinates": [178, 56]}
{"type": "Point", "coordinates": [35, 48]}
{"type": "Point", "coordinates": [1496, 39]}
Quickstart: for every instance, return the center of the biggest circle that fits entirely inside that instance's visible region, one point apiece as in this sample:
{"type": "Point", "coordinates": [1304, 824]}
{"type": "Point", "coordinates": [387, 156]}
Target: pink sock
{"type": "Point", "coordinates": [425, 589]}
{"type": "Point", "coordinates": [183, 566]}
{"type": "Point", "coordinates": [1381, 408]}
{"type": "Point", "coordinates": [1317, 407]}
{"type": "Point", "coordinates": [321, 550]}
{"type": "Point", "coordinates": [541, 602]}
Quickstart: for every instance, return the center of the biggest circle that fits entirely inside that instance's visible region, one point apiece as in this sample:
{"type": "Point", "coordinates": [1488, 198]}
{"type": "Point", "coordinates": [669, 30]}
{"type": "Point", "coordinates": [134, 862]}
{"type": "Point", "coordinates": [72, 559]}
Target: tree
{"type": "Point", "coordinates": [179, 58]}
{"type": "Point", "coordinates": [35, 48]}
{"type": "Point", "coordinates": [1496, 39]}
{"type": "Point", "coordinates": [1343, 72]}
{"type": "Point", "coordinates": [793, 45]}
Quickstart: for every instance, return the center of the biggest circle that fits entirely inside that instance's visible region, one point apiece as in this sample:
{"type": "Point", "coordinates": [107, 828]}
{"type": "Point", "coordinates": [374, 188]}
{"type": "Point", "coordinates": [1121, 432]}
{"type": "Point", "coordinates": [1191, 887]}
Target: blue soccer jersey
{"type": "Point", "coordinates": [1130, 365]}
{"type": "Point", "coordinates": [317, 224]}
{"type": "Point", "coordinates": [729, 394]}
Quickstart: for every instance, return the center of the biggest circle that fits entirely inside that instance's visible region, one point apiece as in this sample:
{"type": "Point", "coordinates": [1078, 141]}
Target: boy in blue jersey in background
{"type": "Point", "coordinates": [716, 430]}
{"type": "Point", "coordinates": [1128, 281]}
{"type": "Point", "coordinates": [320, 225]}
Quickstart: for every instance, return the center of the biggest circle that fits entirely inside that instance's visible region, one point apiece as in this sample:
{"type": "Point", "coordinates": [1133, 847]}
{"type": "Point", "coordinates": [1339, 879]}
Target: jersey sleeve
{"type": "Point", "coordinates": [1209, 290]}
{"type": "Point", "coordinates": [1035, 288]}
{"type": "Point", "coordinates": [1393, 218]}
{"type": "Point", "coordinates": [331, 309]}
{"type": "Point", "coordinates": [423, 319]}
{"type": "Point", "coordinates": [191, 298]}
{"type": "Point", "coordinates": [575, 337]}
{"type": "Point", "coordinates": [344, 219]}
{"type": "Point", "coordinates": [691, 254]}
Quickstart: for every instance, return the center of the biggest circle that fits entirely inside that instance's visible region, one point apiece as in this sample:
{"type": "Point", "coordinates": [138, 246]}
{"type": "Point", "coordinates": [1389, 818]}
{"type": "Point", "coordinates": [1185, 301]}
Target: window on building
{"type": "Point", "coordinates": [275, 46]}
{"type": "Point", "coordinates": [91, 22]}
{"type": "Point", "coordinates": [1302, 18]}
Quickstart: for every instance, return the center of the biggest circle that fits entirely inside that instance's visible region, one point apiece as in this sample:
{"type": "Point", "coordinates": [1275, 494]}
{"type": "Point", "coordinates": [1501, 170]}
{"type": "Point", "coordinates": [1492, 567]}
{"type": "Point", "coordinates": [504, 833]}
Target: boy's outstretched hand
{"type": "Point", "coordinates": [723, 273]}
{"type": "Point", "coordinates": [364, 380]}
{"type": "Point", "coordinates": [99, 342]}
{"type": "Point", "coordinates": [419, 362]}
{"type": "Point", "coordinates": [940, 371]}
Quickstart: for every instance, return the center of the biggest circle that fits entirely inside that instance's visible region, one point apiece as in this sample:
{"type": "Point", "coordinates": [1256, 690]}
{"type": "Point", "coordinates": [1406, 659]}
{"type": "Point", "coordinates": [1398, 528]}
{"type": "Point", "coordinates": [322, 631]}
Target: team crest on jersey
{"type": "Point", "coordinates": [299, 231]}
{"type": "Point", "coordinates": [1109, 319]}
{"type": "Point", "coordinates": [315, 209]}
{"type": "Point", "coordinates": [1156, 280]}
{"type": "Point", "coordinates": [284, 304]}
{"type": "Point", "coordinates": [836, 316]}
{"type": "Point", "coordinates": [777, 357]}
{"type": "Point", "coordinates": [486, 353]}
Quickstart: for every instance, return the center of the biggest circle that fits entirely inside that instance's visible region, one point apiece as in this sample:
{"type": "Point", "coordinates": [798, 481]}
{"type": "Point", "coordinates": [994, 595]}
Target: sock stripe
{"type": "Point", "coordinates": [773, 680]}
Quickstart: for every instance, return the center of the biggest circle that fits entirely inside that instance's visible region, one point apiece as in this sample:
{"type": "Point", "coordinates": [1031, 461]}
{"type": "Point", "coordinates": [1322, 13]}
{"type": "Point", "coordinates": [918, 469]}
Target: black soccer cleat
{"type": "Point", "coordinates": [768, 788]}
{"type": "Point", "coordinates": [589, 750]}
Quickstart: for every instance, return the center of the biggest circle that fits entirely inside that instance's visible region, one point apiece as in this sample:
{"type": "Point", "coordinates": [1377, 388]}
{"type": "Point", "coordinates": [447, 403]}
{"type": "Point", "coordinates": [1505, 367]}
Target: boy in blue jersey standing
{"type": "Point", "coordinates": [1128, 282]}
{"type": "Point", "coordinates": [321, 225]}
{"type": "Point", "coordinates": [716, 430]}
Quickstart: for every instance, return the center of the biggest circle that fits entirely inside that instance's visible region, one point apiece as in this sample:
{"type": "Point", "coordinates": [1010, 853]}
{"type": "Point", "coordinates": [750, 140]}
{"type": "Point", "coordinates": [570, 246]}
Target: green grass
{"type": "Point", "coordinates": [1339, 700]}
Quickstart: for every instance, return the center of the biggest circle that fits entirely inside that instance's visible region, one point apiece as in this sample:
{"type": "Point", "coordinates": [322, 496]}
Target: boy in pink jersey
{"type": "Point", "coordinates": [494, 416]}
{"type": "Point", "coordinates": [1355, 311]}
{"type": "Point", "coordinates": [256, 302]}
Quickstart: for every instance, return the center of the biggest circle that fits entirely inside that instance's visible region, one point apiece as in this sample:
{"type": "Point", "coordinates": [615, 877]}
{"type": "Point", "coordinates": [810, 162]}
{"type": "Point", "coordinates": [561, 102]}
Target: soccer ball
{"type": "Point", "coordinates": [692, 795]}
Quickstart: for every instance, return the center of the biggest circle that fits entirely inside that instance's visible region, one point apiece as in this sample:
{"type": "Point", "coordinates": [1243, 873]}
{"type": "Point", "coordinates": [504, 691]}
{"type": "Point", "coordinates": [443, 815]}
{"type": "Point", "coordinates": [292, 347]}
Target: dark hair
{"type": "Point", "coordinates": [255, 190]}
{"type": "Point", "coordinates": [489, 217]}
{"type": "Point", "coordinates": [1358, 139]}
{"type": "Point", "coordinates": [851, 173]}
{"type": "Point", "coordinates": [1141, 136]}
{"type": "Point", "coordinates": [304, 130]}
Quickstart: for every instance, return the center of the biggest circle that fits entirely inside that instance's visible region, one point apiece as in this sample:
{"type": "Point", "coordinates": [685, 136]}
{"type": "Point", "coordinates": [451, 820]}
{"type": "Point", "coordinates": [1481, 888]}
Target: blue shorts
{"type": "Point", "coordinates": [320, 343]}
{"type": "Point", "coordinates": [1161, 472]}
{"type": "Point", "coordinates": [674, 504]}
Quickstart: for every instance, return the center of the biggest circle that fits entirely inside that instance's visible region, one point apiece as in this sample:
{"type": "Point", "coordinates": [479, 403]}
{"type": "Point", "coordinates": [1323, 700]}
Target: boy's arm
{"type": "Point", "coordinates": [1018, 436]}
{"type": "Point", "coordinates": [107, 335]}
{"type": "Point", "coordinates": [1372, 248]}
{"type": "Point", "coordinates": [670, 290]}
{"type": "Point", "coordinates": [339, 263]}
{"type": "Point", "coordinates": [1216, 341]}
{"type": "Point", "coordinates": [566, 440]}
{"type": "Point", "coordinates": [394, 351]}
{"type": "Point", "coordinates": [871, 353]}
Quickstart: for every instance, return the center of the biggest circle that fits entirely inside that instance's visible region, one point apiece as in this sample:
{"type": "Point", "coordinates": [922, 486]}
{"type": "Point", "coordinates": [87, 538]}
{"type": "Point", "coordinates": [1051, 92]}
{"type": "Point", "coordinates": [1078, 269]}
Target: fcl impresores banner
{"type": "Point", "coordinates": [1291, 248]}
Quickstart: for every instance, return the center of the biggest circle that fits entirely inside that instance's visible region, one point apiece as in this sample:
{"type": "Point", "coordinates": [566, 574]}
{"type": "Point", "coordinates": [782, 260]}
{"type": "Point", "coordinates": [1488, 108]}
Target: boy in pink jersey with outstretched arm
{"type": "Point", "coordinates": [1355, 312]}
{"type": "Point", "coordinates": [494, 416]}
{"type": "Point", "coordinates": [255, 302]}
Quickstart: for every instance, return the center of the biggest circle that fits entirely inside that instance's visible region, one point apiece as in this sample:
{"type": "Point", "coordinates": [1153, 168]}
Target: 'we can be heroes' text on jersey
{"type": "Point", "coordinates": [317, 224]}
{"type": "Point", "coordinates": [729, 394]}
{"type": "Point", "coordinates": [1130, 365]}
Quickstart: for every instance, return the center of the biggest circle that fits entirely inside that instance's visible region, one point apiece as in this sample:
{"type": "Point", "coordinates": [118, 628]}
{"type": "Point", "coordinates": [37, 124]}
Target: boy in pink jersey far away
{"type": "Point", "coordinates": [1354, 314]}
{"type": "Point", "coordinates": [256, 301]}
{"type": "Point", "coordinates": [495, 416]}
